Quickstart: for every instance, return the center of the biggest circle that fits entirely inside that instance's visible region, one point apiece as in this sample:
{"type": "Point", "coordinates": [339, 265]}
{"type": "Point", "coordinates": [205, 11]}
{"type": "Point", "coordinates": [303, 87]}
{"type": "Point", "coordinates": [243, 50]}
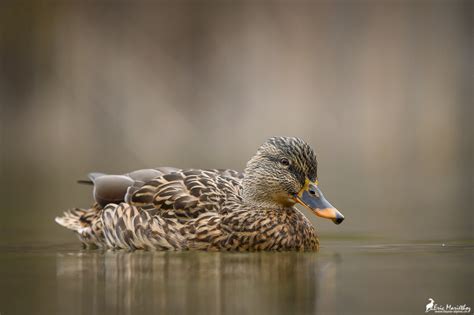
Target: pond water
{"type": "Point", "coordinates": [345, 277]}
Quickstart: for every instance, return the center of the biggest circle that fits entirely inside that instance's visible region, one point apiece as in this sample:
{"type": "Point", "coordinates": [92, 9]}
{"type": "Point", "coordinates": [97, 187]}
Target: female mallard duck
{"type": "Point", "coordinates": [172, 209]}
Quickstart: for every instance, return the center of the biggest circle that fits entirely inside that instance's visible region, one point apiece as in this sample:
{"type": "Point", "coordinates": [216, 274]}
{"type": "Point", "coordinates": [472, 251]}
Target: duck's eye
{"type": "Point", "coordinates": [284, 161]}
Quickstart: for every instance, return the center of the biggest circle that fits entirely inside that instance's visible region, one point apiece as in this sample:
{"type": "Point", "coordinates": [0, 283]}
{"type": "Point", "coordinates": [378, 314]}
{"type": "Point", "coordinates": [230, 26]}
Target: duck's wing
{"type": "Point", "coordinates": [186, 194]}
{"type": "Point", "coordinates": [113, 188]}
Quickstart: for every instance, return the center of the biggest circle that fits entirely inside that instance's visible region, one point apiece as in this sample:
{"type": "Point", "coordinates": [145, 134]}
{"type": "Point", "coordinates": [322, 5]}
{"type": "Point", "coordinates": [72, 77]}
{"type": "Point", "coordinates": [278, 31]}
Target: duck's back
{"type": "Point", "coordinates": [171, 195]}
{"type": "Point", "coordinates": [186, 194]}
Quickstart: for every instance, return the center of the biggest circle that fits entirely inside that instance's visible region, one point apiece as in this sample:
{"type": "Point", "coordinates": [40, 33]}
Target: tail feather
{"type": "Point", "coordinates": [92, 178]}
{"type": "Point", "coordinates": [72, 219]}
{"type": "Point", "coordinates": [86, 223]}
{"type": "Point", "coordinates": [85, 181]}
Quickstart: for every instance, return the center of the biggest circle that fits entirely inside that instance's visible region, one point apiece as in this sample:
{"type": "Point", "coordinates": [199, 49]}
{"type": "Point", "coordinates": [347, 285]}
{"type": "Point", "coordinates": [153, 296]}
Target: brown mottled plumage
{"type": "Point", "coordinates": [172, 209]}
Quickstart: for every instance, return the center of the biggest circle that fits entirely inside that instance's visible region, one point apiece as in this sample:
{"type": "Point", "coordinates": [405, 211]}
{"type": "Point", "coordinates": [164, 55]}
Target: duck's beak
{"type": "Point", "coordinates": [311, 197]}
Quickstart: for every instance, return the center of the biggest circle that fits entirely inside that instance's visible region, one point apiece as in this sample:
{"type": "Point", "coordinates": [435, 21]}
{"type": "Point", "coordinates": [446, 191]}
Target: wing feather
{"type": "Point", "coordinates": [187, 194]}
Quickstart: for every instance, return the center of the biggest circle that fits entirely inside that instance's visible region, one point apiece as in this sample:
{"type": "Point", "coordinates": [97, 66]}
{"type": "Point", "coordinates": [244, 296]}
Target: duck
{"type": "Point", "coordinates": [168, 208]}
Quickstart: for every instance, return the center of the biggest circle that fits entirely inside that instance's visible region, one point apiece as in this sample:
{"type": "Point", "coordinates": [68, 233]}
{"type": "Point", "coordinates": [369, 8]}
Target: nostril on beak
{"type": "Point", "coordinates": [312, 192]}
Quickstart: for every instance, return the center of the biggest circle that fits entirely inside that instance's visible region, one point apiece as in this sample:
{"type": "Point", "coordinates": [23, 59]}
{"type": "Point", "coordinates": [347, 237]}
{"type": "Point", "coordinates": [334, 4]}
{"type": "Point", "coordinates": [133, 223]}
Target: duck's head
{"type": "Point", "coordinates": [283, 172]}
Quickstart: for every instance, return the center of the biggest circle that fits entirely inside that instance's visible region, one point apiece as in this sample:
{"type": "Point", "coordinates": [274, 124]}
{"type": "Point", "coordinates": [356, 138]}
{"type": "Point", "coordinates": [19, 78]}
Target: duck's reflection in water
{"type": "Point", "coordinates": [190, 282]}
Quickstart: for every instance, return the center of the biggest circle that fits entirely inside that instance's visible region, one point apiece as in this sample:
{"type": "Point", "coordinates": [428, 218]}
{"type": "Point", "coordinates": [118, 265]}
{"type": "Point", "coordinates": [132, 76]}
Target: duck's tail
{"type": "Point", "coordinates": [71, 219]}
{"type": "Point", "coordinates": [86, 223]}
{"type": "Point", "coordinates": [123, 226]}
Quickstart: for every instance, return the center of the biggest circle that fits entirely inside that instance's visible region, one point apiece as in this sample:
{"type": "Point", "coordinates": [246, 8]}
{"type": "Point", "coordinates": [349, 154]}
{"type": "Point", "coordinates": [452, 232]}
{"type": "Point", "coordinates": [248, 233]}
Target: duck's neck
{"type": "Point", "coordinates": [264, 205]}
{"type": "Point", "coordinates": [263, 197]}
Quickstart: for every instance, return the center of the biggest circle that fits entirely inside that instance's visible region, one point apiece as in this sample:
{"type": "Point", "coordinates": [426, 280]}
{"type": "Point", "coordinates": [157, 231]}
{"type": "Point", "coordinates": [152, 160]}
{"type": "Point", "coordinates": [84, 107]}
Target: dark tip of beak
{"type": "Point", "coordinates": [339, 218]}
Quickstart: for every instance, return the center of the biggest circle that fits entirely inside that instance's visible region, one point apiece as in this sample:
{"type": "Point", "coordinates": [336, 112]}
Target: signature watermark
{"type": "Point", "coordinates": [446, 308]}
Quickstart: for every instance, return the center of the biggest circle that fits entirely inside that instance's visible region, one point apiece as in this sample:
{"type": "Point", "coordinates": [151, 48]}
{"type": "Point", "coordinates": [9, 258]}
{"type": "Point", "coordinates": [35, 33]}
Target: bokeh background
{"type": "Point", "coordinates": [381, 89]}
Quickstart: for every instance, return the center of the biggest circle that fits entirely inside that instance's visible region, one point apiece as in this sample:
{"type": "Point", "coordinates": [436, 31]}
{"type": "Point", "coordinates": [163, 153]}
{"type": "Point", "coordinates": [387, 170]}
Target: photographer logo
{"type": "Point", "coordinates": [446, 308]}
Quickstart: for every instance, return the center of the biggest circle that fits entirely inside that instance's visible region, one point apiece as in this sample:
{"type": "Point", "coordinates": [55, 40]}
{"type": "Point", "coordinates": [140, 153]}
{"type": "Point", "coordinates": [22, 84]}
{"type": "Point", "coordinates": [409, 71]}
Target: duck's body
{"type": "Point", "coordinates": [172, 209]}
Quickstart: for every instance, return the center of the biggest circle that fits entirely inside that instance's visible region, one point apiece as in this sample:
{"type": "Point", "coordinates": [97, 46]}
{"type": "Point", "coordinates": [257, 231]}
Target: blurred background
{"type": "Point", "coordinates": [381, 89]}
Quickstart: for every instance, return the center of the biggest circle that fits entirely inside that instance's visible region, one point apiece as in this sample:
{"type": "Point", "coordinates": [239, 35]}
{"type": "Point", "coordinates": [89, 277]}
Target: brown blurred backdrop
{"type": "Point", "coordinates": [382, 90]}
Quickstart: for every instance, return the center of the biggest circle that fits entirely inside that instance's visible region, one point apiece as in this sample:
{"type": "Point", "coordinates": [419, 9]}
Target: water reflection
{"type": "Point", "coordinates": [342, 278]}
{"type": "Point", "coordinates": [192, 282]}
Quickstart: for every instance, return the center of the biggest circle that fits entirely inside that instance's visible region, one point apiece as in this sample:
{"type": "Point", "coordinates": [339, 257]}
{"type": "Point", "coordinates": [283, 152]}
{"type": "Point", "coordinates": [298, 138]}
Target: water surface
{"type": "Point", "coordinates": [345, 277]}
